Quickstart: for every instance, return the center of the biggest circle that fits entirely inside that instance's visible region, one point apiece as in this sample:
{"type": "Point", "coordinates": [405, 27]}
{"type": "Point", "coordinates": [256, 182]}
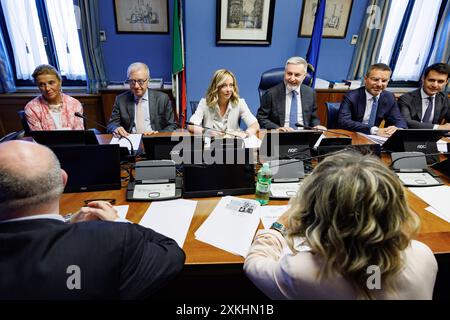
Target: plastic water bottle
{"type": "Point", "coordinates": [263, 184]}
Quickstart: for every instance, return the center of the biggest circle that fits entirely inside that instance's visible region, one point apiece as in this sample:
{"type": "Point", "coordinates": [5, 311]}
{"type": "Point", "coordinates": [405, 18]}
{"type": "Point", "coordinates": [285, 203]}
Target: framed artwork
{"type": "Point", "coordinates": [337, 15]}
{"type": "Point", "coordinates": [142, 16]}
{"type": "Point", "coordinates": [244, 22]}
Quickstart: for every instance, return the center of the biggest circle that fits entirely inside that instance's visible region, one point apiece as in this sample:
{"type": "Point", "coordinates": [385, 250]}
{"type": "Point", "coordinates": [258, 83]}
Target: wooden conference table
{"type": "Point", "coordinates": [434, 231]}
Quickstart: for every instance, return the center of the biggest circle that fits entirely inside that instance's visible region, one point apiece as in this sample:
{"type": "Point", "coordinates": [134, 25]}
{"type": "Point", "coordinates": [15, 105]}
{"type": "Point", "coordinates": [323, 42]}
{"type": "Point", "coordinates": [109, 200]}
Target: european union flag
{"type": "Point", "coordinates": [314, 46]}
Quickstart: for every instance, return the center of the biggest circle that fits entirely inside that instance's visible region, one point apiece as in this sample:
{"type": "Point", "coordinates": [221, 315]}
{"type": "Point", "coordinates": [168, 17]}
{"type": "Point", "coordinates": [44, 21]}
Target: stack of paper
{"type": "Point", "coordinates": [231, 226]}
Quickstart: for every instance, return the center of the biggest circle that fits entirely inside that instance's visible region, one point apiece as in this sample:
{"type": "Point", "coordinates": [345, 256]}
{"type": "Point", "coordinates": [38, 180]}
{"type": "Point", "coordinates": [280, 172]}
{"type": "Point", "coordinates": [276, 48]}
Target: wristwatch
{"type": "Point", "coordinates": [279, 227]}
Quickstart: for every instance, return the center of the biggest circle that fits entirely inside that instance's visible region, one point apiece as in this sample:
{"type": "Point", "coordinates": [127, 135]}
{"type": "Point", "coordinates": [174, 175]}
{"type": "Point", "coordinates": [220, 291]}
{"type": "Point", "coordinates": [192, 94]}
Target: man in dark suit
{"type": "Point", "coordinates": [280, 106]}
{"type": "Point", "coordinates": [42, 257]}
{"type": "Point", "coordinates": [427, 107]}
{"type": "Point", "coordinates": [365, 108]}
{"type": "Point", "coordinates": [141, 110]}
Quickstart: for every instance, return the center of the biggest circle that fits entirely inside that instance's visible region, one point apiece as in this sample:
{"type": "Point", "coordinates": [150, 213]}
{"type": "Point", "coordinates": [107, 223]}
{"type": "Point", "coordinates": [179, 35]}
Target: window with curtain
{"type": "Point", "coordinates": [43, 31]}
{"type": "Point", "coordinates": [414, 42]}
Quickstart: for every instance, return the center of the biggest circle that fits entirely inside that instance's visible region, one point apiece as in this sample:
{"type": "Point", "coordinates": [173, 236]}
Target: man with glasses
{"type": "Point", "coordinates": [289, 102]}
{"type": "Point", "coordinates": [427, 107]}
{"type": "Point", "coordinates": [365, 108]}
{"type": "Point", "coordinates": [141, 110]}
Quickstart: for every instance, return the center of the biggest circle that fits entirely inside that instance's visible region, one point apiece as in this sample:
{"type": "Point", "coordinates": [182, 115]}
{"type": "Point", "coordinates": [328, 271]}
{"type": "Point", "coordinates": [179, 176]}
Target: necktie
{"type": "Point", "coordinates": [293, 111]}
{"type": "Point", "coordinates": [427, 116]}
{"type": "Point", "coordinates": [140, 124]}
{"type": "Point", "coordinates": [373, 112]}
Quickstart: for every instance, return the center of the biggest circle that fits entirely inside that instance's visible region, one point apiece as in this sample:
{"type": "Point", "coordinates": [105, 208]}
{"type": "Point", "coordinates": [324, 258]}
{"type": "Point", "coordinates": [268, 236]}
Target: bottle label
{"type": "Point", "coordinates": [263, 187]}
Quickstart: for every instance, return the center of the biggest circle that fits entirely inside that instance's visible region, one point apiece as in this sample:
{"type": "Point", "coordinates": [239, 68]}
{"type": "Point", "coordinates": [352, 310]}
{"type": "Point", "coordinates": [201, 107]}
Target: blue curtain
{"type": "Point", "coordinates": [369, 39]}
{"type": "Point", "coordinates": [401, 34]}
{"type": "Point", "coordinates": [312, 56]}
{"type": "Point", "coordinates": [6, 75]}
{"type": "Point", "coordinates": [91, 48]}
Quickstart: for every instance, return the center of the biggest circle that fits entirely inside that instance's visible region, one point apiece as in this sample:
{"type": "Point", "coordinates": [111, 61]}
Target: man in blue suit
{"type": "Point", "coordinates": [365, 108]}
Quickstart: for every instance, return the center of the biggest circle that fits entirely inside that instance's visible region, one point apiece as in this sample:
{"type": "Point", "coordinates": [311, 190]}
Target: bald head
{"type": "Point", "coordinates": [30, 177]}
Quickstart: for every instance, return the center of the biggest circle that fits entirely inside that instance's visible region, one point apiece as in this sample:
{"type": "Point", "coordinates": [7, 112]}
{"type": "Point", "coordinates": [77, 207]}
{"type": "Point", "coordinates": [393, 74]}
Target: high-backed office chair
{"type": "Point", "coordinates": [23, 120]}
{"type": "Point", "coordinates": [272, 77]}
{"type": "Point", "coordinates": [332, 114]}
{"type": "Point", "coordinates": [12, 136]}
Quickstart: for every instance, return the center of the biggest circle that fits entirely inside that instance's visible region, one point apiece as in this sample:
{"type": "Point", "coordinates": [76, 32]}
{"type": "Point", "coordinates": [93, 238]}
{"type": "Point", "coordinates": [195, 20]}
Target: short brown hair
{"type": "Point", "coordinates": [378, 66]}
{"type": "Point", "coordinates": [45, 69]}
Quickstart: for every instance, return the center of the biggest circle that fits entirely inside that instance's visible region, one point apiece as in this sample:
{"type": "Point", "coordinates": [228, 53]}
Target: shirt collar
{"type": "Point", "coordinates": [288, 92]}
{"type": "Point", "coordinates": [144, 97]}
{"type": "Point", "coordinates": [53, 216]}
{"type": "Point", "coordinates": [370, 96]}
{"type": "Point", "coordinates": [424, 95]}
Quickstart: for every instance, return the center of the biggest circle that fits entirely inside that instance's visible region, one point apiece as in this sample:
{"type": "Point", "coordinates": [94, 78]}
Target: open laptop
{"type": "Point", "coordinates": [64, 137]}
{"type": "Point", "coordinates": [90, 167]}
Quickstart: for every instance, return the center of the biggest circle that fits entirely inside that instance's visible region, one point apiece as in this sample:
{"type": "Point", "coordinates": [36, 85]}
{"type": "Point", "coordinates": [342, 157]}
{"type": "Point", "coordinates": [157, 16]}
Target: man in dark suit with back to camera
{"type": "Point", "coordinates": [141, 110]}
{"type": "Point", "coordinates": [365, 108]}
{"type": "Point", "coordinates": [43, 257]}
{"type": "Point", "coordinates": [426, 107]}
{"type": "Point", "coordinates": [290, 101]}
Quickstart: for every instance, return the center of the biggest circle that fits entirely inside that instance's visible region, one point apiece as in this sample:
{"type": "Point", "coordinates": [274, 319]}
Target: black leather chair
{"type": "Point", "coordinates": [332, 114]}
{"type": "Point", "coordinates": [23, 120]}
{"type": "Point", "coordinates": [12, 136]}
{"type": "Point", "coordinates": [272, 77]}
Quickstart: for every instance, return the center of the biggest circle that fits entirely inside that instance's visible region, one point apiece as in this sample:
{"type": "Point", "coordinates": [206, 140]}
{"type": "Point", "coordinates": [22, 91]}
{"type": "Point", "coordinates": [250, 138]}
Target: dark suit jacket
{"type": "Point", "coordinates": [116, 260]}
{"type": "Point", "coordinates": [353, 106]}
{"type": "Point", "coordinates": [411, 108]}
{"type": "Point", "coordinates": [161, 112]}
{"type": "Point", "coordinates": [272, 112]}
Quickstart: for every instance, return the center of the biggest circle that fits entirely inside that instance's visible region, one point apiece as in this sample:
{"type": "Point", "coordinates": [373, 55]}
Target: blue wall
{"type": "Point", "coordinates": [203, 57]}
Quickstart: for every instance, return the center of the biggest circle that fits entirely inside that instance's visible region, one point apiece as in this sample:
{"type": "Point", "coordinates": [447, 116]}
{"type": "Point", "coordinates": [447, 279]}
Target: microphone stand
{"type": "Point", "coordinates": [131, 158]}
{"type": "Point", "coordinates": [311, 128]}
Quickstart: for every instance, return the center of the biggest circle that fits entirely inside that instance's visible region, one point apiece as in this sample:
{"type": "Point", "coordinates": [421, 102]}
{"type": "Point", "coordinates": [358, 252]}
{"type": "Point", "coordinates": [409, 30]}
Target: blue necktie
{"type": "Point", "coordinates": [427, 116]}
{"type": "Point", "coordinates": [293, 111]}
{"type": "Point", "coordinates": [373, 112]}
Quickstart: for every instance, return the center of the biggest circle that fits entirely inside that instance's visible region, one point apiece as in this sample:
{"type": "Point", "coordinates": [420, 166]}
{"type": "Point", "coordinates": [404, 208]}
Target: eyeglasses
{"type": "Point", "coordinates": [133, 82]}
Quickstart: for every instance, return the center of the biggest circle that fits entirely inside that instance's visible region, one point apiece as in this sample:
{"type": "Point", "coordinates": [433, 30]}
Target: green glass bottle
{"type": "Point", "coordinates": [262, 191]}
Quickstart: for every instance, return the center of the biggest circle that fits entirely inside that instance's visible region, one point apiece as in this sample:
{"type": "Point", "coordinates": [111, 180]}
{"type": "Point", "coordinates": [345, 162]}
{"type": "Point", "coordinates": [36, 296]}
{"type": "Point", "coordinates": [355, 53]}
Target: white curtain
{"type": "Point", "coordinates": [418, 40]}
{"type": "Point", "coordinates": [26, 36]}
{"type": "Point", "coordinates": [393, 23]}
{"type": "Point", "coordinates": [64, 28]}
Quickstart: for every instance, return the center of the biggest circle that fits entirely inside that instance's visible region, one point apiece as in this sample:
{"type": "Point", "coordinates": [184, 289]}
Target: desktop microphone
{"type": "Point", "coordinates": [212, 129]}
{"type": "Point", "coordinates": [317, 129]}
{"type": "Point", "coordinates": [79, 115]}
{"type": "Point", "coordinates": [418, 156]}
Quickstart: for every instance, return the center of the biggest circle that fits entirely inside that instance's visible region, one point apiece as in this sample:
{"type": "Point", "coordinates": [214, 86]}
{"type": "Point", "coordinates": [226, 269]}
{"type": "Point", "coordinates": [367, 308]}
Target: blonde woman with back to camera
{"type": "Point", "coordinates": [222, 109]}
{"type": "Point", "coordinates": [347, 235]}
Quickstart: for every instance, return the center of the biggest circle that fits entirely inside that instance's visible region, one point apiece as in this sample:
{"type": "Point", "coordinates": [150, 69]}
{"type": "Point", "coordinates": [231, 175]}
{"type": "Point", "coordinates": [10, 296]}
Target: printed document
{"type": "Point", "coordinates": [135, 139]}
{"type": "Point", "coordinates": [270, 214]}
{"type": "Point", "coordinates": [437, 197]}
{"type": "Point", "coordinates": [171, 218]}
{"type": "Point", "coordinates": [231, 226]}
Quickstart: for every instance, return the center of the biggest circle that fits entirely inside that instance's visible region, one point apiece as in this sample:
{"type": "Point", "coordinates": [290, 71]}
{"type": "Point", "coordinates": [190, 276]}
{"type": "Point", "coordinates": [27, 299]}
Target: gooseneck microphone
{"type": "Point", "coordinates": [213, 129]}
{"type": "Point", "coordinates": [79, 115]}
{"type": "Point", "coordinates": [317, 129]}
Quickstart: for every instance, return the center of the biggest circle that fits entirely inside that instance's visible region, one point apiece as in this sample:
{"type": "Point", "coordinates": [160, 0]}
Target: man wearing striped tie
{"type": "Point", "coordinates": [365, 108]}
{"type": "Point", "coordinates": [428, 106]}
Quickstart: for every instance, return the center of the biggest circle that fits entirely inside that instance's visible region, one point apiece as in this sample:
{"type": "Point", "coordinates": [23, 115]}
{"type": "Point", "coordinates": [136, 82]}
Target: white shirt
{"type": "Point", "coordinates": [425, 103]}
{"type": "Point", "coordinates": [146, 109]}
{"type": "Point", "coordinates": [210, 116]}
{"type": "Point", "coordinates": [288, 107]}
{"type": "Point", "coordinates": [369, 104]}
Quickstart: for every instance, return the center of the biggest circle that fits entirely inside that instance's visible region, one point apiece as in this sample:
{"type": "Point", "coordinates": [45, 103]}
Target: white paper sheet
{"type": "Point", "coordinates": [171, 218]}
{"type": "Point", "coordinates": [252, 142]}
{"type": "Point", "coordinates": [122, 211]}
{"type": "Point", "coordinates": [270, 214]}
{"type": "Point", "coordinates": [442, 215]}
{"type": "Point", "coordinates": [231, 226]}
{"type": "Point", "coordinates": [134, 138]}
{"type": "Point", "coordinates": [437, 197]}
{"type": "Point", "coordinates": [442, 145]}
{"type": "Point", "coordinates": [374, 138]}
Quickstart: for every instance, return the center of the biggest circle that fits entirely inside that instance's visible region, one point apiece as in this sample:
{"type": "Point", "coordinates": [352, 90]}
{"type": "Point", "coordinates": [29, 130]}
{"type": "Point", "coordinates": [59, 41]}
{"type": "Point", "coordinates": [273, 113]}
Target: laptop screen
{"type": "Point", "coordinates": [90, 167]}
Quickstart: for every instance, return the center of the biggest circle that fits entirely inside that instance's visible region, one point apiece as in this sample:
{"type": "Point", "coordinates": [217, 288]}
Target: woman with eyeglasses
{"type": "Point", "coordinates": [141, 110]}
{"type": "Point", "coordinates": [348, 234]}
{"type": "Point", "coordinates": [52, 110]}
{"type": "Point", "coordinates": [222, 109]}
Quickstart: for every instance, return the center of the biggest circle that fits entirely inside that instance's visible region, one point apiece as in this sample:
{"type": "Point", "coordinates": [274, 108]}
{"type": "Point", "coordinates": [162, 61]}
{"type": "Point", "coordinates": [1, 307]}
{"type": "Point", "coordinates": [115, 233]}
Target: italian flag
{"type": "Point", "coordinates": [178, 68]}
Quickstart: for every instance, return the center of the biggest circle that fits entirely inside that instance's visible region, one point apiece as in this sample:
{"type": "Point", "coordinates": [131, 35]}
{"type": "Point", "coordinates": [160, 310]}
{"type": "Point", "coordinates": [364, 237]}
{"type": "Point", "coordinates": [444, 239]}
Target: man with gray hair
{"type": "Point", "coordinates": [141, 110]}
{"type": "Point", "coordinates": [42, 257]}
{"type": "Point", "coordinates": [289, 102]}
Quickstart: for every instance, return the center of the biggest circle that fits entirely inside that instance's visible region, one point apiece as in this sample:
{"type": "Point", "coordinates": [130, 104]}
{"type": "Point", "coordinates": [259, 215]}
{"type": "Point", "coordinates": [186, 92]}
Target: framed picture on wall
{"type": "Point", "coordinates": [337, 16]}
{"type": "Point", "coordinates": [244, 22]}
{"type": "Point", "coordinates": [142, 16]}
